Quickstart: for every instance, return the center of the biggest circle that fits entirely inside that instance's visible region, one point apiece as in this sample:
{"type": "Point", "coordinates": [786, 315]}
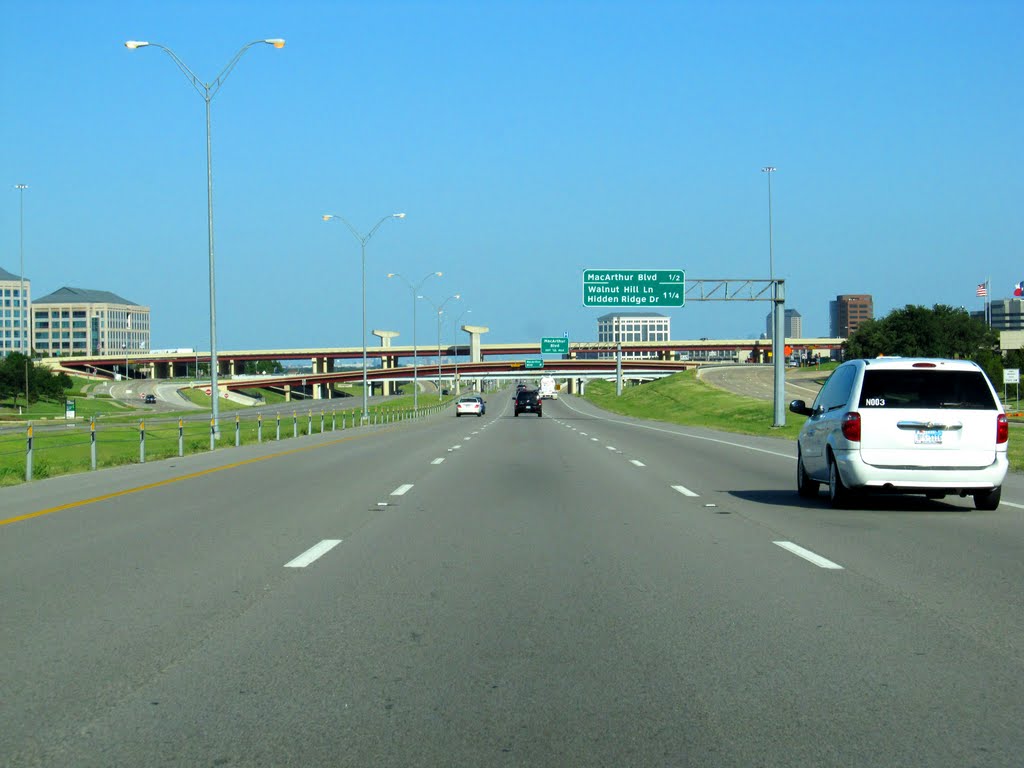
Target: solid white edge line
{"type": "Point", "coordinates": [806, 554]}
{"type": "Point", "coordinates": [402, 490]}
{"type": "Point", "coordinates": [686, 434]}
{"type": "Point", "coordinates": [637, 463]}
{"type": "Point", "coordinates": [313, 553]}
{"type": "Point", "coordinates": [684, 490]}
{"type": "Point", "coordinates": [437, 461]}
{"type": "Point", "coordinates": [1011, 504]}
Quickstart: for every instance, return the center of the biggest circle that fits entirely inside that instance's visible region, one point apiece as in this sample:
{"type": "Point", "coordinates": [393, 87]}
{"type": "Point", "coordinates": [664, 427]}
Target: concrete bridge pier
{"type": "Point", "coordinates": [475, 332]}
{"type": "Point", "coordinates": [386, 361]}
{"type": "Point", "coordinates": [321, 365]}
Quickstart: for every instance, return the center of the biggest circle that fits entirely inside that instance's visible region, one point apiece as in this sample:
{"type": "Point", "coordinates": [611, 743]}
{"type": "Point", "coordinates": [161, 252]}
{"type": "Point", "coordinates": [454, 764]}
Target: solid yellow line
{"type": "Point", "coordinates": [191, 476]}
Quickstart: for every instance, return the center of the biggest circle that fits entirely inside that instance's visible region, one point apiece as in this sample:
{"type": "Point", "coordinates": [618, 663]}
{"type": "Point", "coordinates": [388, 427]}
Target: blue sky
{"type": "Point", "coordinates": [526, 141]}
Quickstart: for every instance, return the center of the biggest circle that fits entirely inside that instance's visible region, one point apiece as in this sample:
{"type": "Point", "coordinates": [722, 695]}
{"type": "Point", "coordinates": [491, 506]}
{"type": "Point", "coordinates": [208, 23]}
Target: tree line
{"type": "Point", "coordinates": [941, 331]}
{"type": "Point", "coordinates": [43, 384]}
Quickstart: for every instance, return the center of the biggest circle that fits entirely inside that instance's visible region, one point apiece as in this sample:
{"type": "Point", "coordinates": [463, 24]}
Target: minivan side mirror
{"type": "Point", "coordinates": [799, 406]}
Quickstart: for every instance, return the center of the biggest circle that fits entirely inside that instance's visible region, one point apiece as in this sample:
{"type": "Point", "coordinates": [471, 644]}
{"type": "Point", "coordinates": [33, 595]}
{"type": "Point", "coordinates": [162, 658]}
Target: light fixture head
{"type": "Point", "coordinates": [277, 42]}
{"type": "Point", "coordinates": [133, 44]}
{"type": "Point", "coordinates": [398, 215]}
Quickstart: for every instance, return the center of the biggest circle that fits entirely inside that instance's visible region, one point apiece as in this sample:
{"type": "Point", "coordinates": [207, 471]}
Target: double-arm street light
{"type": "Point", "coordinates": [415, 357]}
{"type": "Point", "coordinates": [363, 239]}
{"type": "Point", "coordinates": [440, 311]}
{"type": "Point", "coordinates": [208, 91]}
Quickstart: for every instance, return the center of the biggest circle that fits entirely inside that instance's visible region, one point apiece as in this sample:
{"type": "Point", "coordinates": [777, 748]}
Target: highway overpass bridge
{"type": "Point", "coordinates": [492, 361]}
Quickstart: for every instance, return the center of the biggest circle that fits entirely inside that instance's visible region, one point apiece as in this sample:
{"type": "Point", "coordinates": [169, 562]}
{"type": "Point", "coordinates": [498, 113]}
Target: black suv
{"type": "Point", "coordinates": [528, 402]}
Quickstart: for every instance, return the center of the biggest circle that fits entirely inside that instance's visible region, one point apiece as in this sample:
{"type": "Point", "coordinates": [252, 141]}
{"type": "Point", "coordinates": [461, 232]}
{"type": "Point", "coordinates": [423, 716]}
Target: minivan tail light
{"type": "Point", "coordinates": [851, 426]}
{"type": "Point", "coordinates": [1002, 429]}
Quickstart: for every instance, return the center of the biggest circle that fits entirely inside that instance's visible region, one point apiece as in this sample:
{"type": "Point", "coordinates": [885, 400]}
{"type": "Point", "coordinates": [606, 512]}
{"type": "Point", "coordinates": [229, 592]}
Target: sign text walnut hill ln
{"type": "Point", "coordinates": [634, 287]}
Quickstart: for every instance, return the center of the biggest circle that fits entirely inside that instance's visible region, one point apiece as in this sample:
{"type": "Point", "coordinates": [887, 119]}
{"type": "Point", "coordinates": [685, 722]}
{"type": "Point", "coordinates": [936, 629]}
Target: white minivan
{"type": "Point", "coordinates": [904, 425]}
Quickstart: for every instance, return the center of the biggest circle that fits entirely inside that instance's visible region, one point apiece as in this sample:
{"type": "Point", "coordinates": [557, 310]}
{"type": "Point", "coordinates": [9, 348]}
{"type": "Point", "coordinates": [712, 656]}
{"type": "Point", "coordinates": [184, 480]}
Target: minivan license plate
{"type": "Point", "coordinates": [928, 437]}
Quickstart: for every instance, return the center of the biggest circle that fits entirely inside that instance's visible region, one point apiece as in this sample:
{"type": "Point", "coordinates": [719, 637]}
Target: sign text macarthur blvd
{"type": "Point", "coordinates": [634, 287]}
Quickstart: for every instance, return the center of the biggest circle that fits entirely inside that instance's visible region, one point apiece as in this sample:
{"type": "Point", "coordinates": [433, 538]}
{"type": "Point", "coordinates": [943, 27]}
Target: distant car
{"type": "Point", "coordinates": [528, 402]}
{"type": "Point", "coordinates": [483, 404]}
{"type": "Point", "coordinates": [904, 425]}
{"type": "Point", "coordinates": [472, 406]}
{"type": "Point", "coordinates": [149, 399]}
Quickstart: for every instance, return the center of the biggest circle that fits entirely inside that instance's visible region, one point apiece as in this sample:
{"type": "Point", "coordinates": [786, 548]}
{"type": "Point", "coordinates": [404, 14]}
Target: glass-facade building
{"type": "Point", "coordinates": [14, 313]}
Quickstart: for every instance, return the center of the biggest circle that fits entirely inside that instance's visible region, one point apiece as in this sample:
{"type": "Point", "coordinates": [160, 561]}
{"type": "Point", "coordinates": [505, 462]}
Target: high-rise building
{"type": "Point", "coordinates": [78, 321]}
{"type": "Point", "coordinates": [848, 312]}
{"type": "Point", "coordinates": [792, 325]}
{"type": "Point", "coordinates": [13, 313]}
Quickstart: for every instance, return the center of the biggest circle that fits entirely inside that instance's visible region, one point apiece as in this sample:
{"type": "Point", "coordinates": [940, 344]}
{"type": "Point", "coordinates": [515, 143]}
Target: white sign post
{"type": "Point", "coordinates": [1012, 376]}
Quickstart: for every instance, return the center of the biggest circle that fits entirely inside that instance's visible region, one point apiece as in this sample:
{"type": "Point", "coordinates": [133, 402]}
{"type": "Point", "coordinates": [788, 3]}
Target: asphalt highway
{"type": "Point", "coordinates": [580, 589]}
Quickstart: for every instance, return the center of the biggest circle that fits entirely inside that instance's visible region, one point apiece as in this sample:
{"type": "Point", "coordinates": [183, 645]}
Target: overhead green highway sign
{"type": "Point", "coordinates": [534, 363]}
{"type": "Point", "coordinates": [554, 345]}
{"type": "Point", "coordinates": [634, 287]}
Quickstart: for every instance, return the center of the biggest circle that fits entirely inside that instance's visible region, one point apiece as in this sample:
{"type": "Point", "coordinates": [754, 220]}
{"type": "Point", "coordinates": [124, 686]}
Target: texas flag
{"type": "Point", "coordinates": [1018, 289]}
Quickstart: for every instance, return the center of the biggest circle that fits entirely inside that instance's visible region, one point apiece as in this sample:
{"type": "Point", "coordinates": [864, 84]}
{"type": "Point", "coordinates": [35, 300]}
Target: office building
{"type": "Point", "coordinates": [632, 327]}
{"type": "Point", "coordinates": [792, 325]}
{"type": "Point", "coordinates": [78, 321]}
{"type": "Point", "coordinates": [848, 312]}
{"type": "Point", "coordinates": [12, 335]}
{"type": "Point", "coordinates": [1005, 314]}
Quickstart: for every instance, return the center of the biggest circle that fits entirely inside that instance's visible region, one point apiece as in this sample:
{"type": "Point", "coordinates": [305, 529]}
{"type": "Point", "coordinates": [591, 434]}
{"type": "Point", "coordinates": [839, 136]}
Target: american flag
{"type": "Point", "coordinates": [982, 289]}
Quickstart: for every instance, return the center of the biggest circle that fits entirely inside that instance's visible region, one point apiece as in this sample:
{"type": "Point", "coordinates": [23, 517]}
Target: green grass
{"type": "Point", "coordinates": [684, 399]}
{"type": "Point", "coordinates": [66, 448]}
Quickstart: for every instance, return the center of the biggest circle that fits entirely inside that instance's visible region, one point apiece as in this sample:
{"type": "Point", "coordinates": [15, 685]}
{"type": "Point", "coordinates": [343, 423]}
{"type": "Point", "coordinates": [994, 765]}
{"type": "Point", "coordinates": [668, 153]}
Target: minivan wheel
{"type": "Point", "coordinates": [838, 493]}
{"type": "Point", "coordinates": [807, 488]}
{"type": "Point", "coordinates": [988, 500]}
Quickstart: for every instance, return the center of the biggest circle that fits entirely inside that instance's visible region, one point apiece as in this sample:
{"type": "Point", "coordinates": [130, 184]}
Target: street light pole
{"type": "Point", "coordinates": [778, 329]}
{"type": "Point", "coordinates": [363, 239]}
{"type": "Point", "coordinates": [208, 91]}
{"type": "Point", "coordinates": [440, 310]}
{"type": "Point", "coordinates": [415, 356]}
{"type": "Point", "coordinates": [26, 337]}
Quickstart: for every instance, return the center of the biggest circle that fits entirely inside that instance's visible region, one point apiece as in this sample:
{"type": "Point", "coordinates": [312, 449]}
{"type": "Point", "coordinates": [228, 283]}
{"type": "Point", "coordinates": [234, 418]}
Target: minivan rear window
{"type": "Point", "coordinates": [926, 388]}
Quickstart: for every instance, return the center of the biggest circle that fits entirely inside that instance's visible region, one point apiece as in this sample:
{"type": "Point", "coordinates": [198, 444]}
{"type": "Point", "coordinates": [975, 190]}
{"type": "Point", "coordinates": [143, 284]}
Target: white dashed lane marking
{"type": "Point", "coordinates": [402, 490]}
{"type": "Point", "coordinates": [313, 553]}
{"type": "Point", "coordinates": [807, 555]}
{"type": "Point", "coordinates": [684, 490]}
{"type": "Point", "coordinates": [437, 461]}
{"type": "Point", "coordinates": [637, 463]}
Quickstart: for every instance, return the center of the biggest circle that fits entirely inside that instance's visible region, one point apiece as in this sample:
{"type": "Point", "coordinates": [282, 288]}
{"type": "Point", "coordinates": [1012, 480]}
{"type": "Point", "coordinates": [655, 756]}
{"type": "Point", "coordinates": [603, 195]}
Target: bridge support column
{"type": "Point", "coordinates": [319, 365]}
{"type": "Point", "coordinates": [475, 332]}
{"type": "Point", "coordinates": [386, 361]}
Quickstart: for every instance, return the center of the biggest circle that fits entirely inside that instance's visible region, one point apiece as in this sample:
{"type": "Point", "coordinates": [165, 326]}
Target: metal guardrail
{"type": "Point", "coordinates": [45, 450]}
